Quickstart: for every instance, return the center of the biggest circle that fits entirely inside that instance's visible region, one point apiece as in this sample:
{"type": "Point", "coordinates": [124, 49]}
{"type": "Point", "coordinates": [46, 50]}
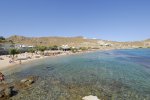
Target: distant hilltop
{"type": "Point", "coordinates": [78, 41]}
{"type": "Point", "coordinates": [50, 41]}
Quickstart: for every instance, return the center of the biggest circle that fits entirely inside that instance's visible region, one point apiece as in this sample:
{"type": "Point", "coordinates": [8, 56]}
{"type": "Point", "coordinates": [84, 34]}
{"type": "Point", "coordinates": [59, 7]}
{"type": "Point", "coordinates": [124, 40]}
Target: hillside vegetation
{"type": "Point", "coordinates": [50, 41]}
{"type": "Point", "coordinates": [76, 42]}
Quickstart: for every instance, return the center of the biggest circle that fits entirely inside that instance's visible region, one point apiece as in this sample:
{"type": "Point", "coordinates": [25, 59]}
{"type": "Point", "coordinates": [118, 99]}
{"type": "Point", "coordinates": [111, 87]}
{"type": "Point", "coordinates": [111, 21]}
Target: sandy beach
{"type": "Point", "coordinates": [29, 57]}
{"type": "Point", "coordinates": [5, 60]}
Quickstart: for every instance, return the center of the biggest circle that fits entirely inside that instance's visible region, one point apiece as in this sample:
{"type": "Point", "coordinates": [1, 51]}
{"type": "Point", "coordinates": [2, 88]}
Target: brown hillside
{"type": "Point", "coordinates": [75, 41]}
{"type": "Point", "coordinates": [50, 41]}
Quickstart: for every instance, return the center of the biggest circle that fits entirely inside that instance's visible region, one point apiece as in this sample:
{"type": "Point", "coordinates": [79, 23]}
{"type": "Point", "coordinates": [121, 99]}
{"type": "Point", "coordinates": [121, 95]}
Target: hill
{"type": "Point", "coordinates": [77, 42]}
{"type": "Point", "coordinates": [50, 41]}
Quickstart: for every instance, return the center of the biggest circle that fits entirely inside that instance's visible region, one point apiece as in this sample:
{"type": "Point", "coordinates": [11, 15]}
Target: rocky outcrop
{"type": "Point", "coordinates": [27, 81]}
{"type": "Point", "coordinates": [7, 89]}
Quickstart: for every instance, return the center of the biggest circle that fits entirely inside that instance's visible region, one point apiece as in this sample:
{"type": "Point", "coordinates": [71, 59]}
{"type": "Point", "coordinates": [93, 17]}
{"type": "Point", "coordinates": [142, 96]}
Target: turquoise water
{"type": "Point", "coordinates": [110, 75]}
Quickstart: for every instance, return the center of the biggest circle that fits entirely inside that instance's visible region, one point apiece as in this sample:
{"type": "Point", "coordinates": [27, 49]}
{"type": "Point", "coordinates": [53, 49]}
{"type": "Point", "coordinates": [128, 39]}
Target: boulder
{"type": "Point", "coordinates": [24, 80]}
{"type": "Point", "coordinates": [5, 92]}
{"type": "Point", "coordinates": [1, 91]}
{"type": "Point", "coordinates": [90, 97]}
{"type": "Point", "coordinates": [1, 88]}
{"type": "Point", "coordinates": [8, 91]}
{"type": "Point", "coordinates": [29, 79]}
{"type": "Point", "coordinates": [29, 82]}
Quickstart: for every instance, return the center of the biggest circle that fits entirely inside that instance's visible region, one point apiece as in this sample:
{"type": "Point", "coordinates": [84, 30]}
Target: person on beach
{"type": "Point", "coordinates": [20, 62]}
{"type": "Point", "coordinates": [10, 61]}
{"type": "Point", "coordinates": [1, 77]}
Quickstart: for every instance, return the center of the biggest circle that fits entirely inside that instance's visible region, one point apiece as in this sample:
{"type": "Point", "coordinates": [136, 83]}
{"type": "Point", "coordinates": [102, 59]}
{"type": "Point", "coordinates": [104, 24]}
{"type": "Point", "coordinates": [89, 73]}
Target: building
{"type": "Point", "coordinates": [65, 47]}
{"type": "Point", "coordinates": [102, 43]}
{"type": "Point", "coordinates": [20, 46]}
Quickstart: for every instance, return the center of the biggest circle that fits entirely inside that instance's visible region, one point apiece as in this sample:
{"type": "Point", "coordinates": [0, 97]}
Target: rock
{"type": "Point", "coordinates": [29, 82]}
{"type": "Point", "coordinates": [1, 88]}
{"type": "Point", "coordinates": [90, 97]}
{"type": "Point", "coordinates": [25, 83]}
{"type": "Point", "coordinates": [8, 91]}
{"type": "Point", "coordinates": [29, 79]}
{"type": "Point", "coordinates": [24, 80]}
{"type": "Point", "coordinates": [1, 94]}
{"type": "Point", "coordinates": [1, 91]}
{"type": "Point", "coordinates": [5, 91]}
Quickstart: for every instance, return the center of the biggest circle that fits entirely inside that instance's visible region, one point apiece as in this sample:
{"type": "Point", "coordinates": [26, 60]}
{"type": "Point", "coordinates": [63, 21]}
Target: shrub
{"type": "Point", "coordinates": [31, 50]}
{"type": "Point", "coordinates": [13, 52]}
{"type": "Point", "coordinates": [2, 38]}
{"type": "Point", "coordinates": [55, 47]}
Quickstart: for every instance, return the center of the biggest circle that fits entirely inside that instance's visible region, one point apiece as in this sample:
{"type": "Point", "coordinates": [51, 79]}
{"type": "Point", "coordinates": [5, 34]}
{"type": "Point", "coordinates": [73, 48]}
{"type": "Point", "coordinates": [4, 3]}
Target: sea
{"type": "Point", "coordinates": [109, 75]}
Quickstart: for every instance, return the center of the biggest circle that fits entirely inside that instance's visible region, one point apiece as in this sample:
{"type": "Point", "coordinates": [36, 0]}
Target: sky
{"type": "Point", "coordinates": [117, 20]}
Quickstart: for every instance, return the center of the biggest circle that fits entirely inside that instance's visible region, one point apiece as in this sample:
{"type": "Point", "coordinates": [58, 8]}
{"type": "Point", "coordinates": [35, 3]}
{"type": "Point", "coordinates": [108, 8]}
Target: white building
{"type": "Point", "coordinates": [19, 46]}
{"type": "Point", "coordinates": [65, 47]}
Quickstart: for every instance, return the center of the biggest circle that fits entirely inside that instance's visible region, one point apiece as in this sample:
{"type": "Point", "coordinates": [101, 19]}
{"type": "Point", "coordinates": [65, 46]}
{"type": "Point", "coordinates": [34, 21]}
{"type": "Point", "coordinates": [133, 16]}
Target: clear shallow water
{"type": "Point", "coordinates": [110, 75]}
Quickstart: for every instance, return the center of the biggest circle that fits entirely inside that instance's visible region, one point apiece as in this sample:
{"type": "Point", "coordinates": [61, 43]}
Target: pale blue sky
{"type": "Point", "coordinates": [120, 20]}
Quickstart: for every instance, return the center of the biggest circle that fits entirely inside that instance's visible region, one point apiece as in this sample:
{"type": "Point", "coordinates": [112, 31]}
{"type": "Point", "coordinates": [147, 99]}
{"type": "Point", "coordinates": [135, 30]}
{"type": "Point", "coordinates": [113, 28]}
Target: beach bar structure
{"type": "Point", "coordinates": [52, 53]}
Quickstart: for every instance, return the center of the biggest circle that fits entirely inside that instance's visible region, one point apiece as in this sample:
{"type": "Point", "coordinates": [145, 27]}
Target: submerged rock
{"type": "Point", "coordinates": [90, 97]}
{"type": "Point", "coordinates": [26, 82]}
{"type": "Point", "coordinates": [29, 80]}
{"type": "Point", "coordinates": [5, 91]}
{"type": "Point", "coordinates": [1, 92]}
{"type": "Point", "coordinates": [8, 91]}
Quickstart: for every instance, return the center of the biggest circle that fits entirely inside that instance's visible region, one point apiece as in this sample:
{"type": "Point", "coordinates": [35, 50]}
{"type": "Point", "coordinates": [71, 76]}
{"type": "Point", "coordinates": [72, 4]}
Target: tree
{"type": "Point", "coordinates": [31, 50]}
{"type": "Point", "coordinates": [2, 38]}
{"type": "Point", "coordinates": [74, 50]}
{"type": "Point", "coordinates": [41, 48]}
{"type": "Point", "coordinates": [55, 47]}
{"type": "Point", "coordinates": [13, 52]}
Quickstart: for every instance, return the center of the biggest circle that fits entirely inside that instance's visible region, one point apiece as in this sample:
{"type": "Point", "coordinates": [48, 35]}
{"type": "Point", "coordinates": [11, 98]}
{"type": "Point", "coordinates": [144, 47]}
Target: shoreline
{"type": "Point", "coordinates": [8, 66]}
